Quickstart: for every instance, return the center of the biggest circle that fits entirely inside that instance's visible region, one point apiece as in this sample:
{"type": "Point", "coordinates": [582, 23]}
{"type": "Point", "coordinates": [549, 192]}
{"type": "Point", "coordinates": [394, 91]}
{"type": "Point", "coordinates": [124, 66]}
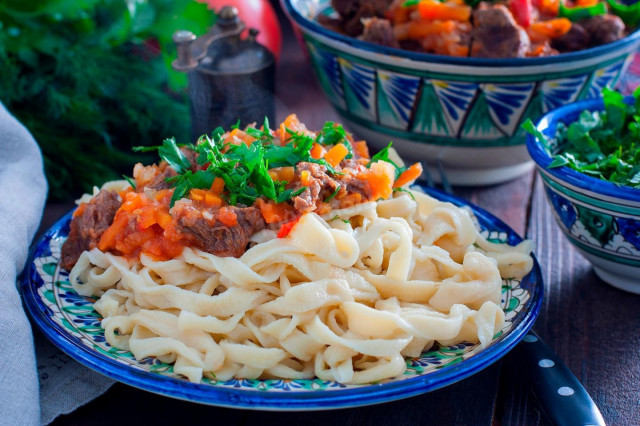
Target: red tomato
{"type": "Point", "coordinates": [522, 11]}
{"type": "Point", "coordinates": [257, 14]}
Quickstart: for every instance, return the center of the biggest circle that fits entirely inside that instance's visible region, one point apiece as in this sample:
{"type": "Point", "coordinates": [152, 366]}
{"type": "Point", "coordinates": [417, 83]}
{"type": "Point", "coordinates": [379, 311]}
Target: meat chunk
{"type": "Point", "coordinates": [379, 31]}
{"type": "Point", "coordinates": [210, 235]}
{"type": "Point", "coordinates": [88, 226]}
{"type": "Point", "coordinates": [353, 11]}
{"type": "Point", "coordinates": [576, 39]}
{"type": "Point", "coordinates": [496, 34]}
{"type": "Point", "coordinates": [318, 184]}
{"type": "Point", "coordinates": [154, 177]}
{"type": "Point", "coordinates": [603, 29]}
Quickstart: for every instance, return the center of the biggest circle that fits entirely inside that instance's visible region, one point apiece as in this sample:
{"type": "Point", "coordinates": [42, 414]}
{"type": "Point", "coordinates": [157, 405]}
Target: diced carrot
{"type": "Point", "coordinates": [109, 236]}
{"type": "Point", "coordinates": [217, 186]}
{"type": "Point", "coordinates": [432, 9]}
{"type": "Point", "coordinates": [586, 3]}
{"type": "Point", "coordinates": [197, 194]}
{"type": "Point", "coordinates": [286, 228]}
{"type": "Point", "coordinates": [227, 217]}
{"type": "Point", "coordinates": [80, 209]}
{"type": "Point", "coordinates": [409, 175]}
{"type": "Point", "coordinates": [163, 218]}
{"type": "Point", "coordinates": [274, 213]}
{"type": "Point", "coordinates": [458, 50]}
{"type": "Point", "coordinates": [549, 7]}
{"type": "Point", "coordinates": [380, 177]}
{"type": "Point", "coordinates": [282, 173]}
{"type": "Point", "coordinates": [420, 29]}
{"type": "Point", "coordinates": [336, 154]}
{"type": "Point", "coordinates": [132, 201]}
{"type": "Point", "coordinates": [361, 149]}
{"type": "Point", "coordinates": [305, 177]}
{"type": "Point", "coordinates": [317, 151]}
{"type": "Point", "coordinates": [323, 208]}
{"type": "Point", "coordinates": [211, 199]}
{"type": "Point", "coordinates": [552, 28]}
{"type": "Point", "coordinates": [146, 217]}
{"type": "Point", "coordinates": [237, 136]}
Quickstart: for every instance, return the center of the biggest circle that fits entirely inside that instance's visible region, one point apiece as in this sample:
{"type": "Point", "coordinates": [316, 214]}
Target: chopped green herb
{"type": "Point", "coordinates": [237, 125]}
{"type": "Point", "coordinates": [405, 190]}
{"type": "Point", "coordinates": [131, 181]}
{"type": "Point", "coordinates": [330, 197]}
{"type": "Point", "coordinates": [409, 3]}
{"type": "Point", "coordinates": [603, 144]}
{"type": "Point", "coordinates": [333, 134]}
{"type": "Point", "coordinates": [630, 14]}
{"type": "Point", "coordinates": [575, 14]}
{"type": "Point", "coordinates": [336, 217]}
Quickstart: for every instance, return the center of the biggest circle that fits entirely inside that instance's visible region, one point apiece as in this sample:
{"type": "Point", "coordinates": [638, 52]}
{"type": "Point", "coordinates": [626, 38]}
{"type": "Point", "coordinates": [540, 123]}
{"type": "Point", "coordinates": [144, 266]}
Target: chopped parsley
{"type": "Point", "coordinates": [336, 217]}
{"type": "Point", "coordinates": [603, 144]}
{"type": "Point", "coordinates": [400, 189]}
{"type": "Point", "coordinates": [330, 197]}
{"type": "Point", "coordinates": [131, 181]}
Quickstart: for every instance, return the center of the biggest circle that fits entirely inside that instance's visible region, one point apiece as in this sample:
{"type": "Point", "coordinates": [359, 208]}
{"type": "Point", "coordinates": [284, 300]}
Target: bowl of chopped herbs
{"type": "Point", "coordinates": [588, 155]}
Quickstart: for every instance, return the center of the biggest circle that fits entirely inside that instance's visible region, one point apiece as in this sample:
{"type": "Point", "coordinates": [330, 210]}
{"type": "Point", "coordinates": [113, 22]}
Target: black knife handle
{"type": "Point", "coordinates": [559, 392]}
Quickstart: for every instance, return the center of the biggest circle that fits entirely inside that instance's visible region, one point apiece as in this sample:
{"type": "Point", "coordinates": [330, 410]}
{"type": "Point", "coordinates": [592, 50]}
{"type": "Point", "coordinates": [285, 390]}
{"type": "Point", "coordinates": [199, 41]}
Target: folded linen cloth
{"type": "Point", "coordinates": [64, 384]}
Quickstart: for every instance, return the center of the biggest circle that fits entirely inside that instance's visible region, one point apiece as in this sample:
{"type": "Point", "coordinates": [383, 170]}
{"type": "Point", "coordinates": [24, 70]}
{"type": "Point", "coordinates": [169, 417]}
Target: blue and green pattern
{"type": "Point", "coordinates": [396, 96]}
{"type": "Point", "coordinates": [359, 89]}
{"type": "Point", "coordinates": [456, 109]}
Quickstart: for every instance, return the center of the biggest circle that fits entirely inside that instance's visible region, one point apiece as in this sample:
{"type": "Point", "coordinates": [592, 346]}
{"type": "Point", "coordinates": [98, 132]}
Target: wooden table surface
{"type": "Point", "coordinates": [592, 326]}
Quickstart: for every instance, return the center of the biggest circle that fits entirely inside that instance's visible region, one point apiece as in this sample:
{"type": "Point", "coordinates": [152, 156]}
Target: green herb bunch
{"type": "Point", "coordinates": [603, 144]}
{"type": "Point", "coordinates": [91, 78]}
{"type": "Point", "coordinates": [245, 168]}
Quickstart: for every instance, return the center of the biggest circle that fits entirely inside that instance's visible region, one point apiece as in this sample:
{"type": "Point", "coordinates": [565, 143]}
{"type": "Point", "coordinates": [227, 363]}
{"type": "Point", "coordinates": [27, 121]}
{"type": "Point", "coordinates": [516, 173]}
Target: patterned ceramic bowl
{"type": "Point", "coordinates": [463, 112]}
{"type": "Point", "coordinates": [600, 219]}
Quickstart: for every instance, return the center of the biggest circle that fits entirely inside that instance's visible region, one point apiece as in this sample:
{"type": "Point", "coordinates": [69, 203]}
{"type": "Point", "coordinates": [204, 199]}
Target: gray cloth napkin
{"type": "Point", "coordinates": [64, 384]}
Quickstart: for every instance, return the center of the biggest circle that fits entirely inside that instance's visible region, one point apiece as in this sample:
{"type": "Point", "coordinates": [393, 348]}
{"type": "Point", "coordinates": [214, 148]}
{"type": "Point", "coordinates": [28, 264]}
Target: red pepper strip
{"type": "Point", "coordinates": [286, 228]}
{"type": "Point", "coordinates": [522, 11]}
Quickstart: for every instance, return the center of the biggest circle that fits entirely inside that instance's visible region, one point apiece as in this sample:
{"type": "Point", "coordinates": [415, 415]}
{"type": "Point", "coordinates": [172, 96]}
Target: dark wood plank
{"type": "Point", "coordinates": [589, 324]}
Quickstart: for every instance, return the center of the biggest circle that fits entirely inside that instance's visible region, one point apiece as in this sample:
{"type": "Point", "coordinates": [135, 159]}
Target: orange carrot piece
{"type": "Point", "coordinates": [317, 151]}
{"type": "Point", "coordinates": [409, 175]}
{"type": "Point", "coordinates": [380, 177]}
{"type": "Point", "coordinates": [361, 149]}
{"type": "Point", "coordinates": [552, 28]}
{"type": "Point", "coordinates": [336, 154]}
{"type": "Point", "coordinates": [163, 218]}
{"type": "Point", "coordinates": [109, 236]}
{"type": "Point", "coordinates": [421, 29]}
{"type": "Point", "coordinates": [217, 186]}
{"type": "Point", "coordinates": [211, 199]}
{"type": "Point", "coordinates": [197, 194]}
{"type": "Point", "coordinates": [586, 3]}
{"type": "Point", "coordinates": [431, 9]}
{"type": "Point", "coordinates": [286, 228]}
{"type": "Point", "coordinates": [227, 217]}
{"type": "Point", "coordinates": [274, 213]}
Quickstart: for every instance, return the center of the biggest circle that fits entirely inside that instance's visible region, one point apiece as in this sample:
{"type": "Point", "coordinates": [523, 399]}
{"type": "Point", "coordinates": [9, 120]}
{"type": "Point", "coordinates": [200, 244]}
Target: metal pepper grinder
{"type": "Point", "coordinates": [230, 77]}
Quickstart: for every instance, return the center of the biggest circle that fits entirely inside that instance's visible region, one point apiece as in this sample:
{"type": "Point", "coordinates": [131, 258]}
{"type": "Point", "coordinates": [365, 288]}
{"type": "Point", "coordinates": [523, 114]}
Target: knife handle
{"type": "Point", "coordinates": [559, 392]}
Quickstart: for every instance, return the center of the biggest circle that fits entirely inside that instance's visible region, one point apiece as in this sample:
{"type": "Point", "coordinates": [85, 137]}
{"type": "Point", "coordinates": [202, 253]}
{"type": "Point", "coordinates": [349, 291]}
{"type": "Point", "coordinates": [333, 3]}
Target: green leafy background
{"type": "Point", "coordinates": [92, 78]}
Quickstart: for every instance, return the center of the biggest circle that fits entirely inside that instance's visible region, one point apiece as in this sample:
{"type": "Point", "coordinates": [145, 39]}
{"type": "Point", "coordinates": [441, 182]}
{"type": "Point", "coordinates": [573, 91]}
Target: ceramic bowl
{"type": "Point", "coordinates": [600, 219]}
{"type": "Point", "coordinates": [464, 113]}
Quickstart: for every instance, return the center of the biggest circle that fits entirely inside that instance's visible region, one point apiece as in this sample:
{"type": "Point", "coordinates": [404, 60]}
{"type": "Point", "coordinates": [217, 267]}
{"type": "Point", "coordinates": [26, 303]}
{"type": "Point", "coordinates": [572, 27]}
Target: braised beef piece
{"type": "Point", "coordinates": [353, 11]}
{"type": "Point", "coordinates": [320, 185]}
{"type": "Point", "coordinates": [576, 39]}
{"type": "Point", "coordinates": [603, 29]}
{"type": "Point", "coordinates": [87, 228]}
{"type": "Point", "coordinates": [216, 238]}
{"type": "Point", "coordinates": [496, 34]}
{"type": "Point", "coordinates": [159, 182]}
{"type": "Point", "coordinates": [379, 31]}
{"type": "Point", "coordinates": [412, 45]}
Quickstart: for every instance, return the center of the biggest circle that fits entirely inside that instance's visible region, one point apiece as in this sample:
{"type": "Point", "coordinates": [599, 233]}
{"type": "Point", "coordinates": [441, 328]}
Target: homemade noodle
{"type": "Point", "coordinates": [344, 297]}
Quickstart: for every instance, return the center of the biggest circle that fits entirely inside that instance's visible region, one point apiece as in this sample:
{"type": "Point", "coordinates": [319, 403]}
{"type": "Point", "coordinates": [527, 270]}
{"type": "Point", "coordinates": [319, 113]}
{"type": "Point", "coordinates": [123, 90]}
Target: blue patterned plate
{"type": "Point", "coordinates": [72, 324]}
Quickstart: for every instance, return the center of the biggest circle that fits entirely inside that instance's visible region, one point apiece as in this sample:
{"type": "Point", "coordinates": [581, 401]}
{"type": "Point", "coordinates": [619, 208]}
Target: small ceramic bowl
{"type": "Point", "coordinates": [600, 219]}
{"type": "Point", "coordinates": [464, 113]}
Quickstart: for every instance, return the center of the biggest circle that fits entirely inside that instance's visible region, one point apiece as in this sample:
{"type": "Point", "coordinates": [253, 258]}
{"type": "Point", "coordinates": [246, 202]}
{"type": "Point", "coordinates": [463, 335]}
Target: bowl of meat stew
{"type": "Point", "coordinates": [454, 92]}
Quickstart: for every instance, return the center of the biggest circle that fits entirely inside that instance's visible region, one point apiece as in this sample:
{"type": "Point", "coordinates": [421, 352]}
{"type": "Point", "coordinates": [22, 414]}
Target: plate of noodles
{"type": "Point", "coordinates": [281, 269]}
